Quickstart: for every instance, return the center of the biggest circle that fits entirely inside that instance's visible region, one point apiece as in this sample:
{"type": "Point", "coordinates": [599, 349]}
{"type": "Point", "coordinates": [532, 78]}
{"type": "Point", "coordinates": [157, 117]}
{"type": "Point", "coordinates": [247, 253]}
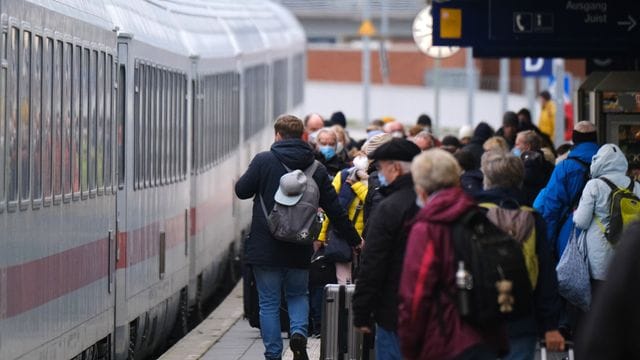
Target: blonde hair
{"type": "Point", "coordinates": [501, 169]}
{"type": "Point", "coordinates": [495, 143]}
{"type": "Point", "coordinates": [434, 170]}
{"type": "Point", "coordinates": [340, 133]}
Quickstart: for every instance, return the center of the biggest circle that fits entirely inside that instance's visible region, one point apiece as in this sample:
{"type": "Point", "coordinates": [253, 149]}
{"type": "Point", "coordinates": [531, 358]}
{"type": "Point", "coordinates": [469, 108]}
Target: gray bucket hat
{"type": "Point", "coordinates": [292, 187]}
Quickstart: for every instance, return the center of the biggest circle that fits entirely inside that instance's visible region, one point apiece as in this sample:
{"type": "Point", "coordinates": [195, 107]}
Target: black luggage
{"type": "Point", "coordinates": [340, 340]}
{"type": "Point", "coordinates": [251, 303]}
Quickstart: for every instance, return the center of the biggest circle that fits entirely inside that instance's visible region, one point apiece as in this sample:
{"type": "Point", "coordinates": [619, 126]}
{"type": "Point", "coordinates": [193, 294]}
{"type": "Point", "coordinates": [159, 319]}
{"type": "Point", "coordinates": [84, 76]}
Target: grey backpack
{"type": "Point", "coordinates": [301, 222]}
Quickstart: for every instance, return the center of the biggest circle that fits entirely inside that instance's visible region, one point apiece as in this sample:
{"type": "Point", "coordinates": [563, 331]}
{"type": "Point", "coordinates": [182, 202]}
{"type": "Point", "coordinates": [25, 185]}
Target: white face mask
{"type": "Point", "coordinates": [339, 147]}
{"type": "Point", "coordinates": [361, 162]}
{"type": "Point", "coordinates": [397, 134]}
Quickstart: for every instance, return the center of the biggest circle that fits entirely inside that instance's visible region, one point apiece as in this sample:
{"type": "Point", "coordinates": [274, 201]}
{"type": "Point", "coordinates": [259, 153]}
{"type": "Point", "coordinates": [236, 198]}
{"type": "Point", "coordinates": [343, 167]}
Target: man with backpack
{"type": "Point", "coordinates": [278, 248]}
{"type": "Point", "coordinates": [561, 195]}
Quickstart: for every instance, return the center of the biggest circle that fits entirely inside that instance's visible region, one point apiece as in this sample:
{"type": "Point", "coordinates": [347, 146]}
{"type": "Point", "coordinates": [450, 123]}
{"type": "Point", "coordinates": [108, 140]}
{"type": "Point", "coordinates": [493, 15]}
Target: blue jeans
{"type": "Point", "coordinates": [521, 348]}
{"type": "Point", "coordinates": [387, 345]}
{"type": "Point", "coordinates": [270, 281]}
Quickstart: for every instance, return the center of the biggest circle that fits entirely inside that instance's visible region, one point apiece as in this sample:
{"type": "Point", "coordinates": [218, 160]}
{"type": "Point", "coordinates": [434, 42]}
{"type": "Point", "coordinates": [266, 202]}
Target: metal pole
{"type": "Point", "coordinates": [436, 87]}
{"type": "Point", "coordinates": [470, 85]}
{"type": "Point", "coordinates": [366, 64]}
{"type": "Point", "coordinates": [504, 84]}
{"type": "Point", "coordinates": [558, 137]}
{"type": "Point", "coordinates": [530, 92]}
{"type": "Point", "coordinates": [384, 35]}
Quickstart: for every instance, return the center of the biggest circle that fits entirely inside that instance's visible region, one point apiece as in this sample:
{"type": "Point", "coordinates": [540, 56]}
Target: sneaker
{"type": "Point", "coordinates": [298, 345]}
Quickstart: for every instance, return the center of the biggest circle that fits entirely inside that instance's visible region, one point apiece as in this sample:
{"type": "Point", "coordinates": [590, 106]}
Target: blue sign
{"type": "Point", "coordinates": [546, 28]}
{"type": "Point", "coordinates": [537, 67]}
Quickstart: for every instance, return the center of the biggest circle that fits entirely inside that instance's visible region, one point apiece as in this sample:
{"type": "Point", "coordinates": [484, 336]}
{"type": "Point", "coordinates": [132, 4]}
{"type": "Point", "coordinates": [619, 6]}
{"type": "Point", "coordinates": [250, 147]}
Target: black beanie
{"type": "Point", "coordinates": [338, 118]}
{"type": "Point", "coordinates": [580, 137]}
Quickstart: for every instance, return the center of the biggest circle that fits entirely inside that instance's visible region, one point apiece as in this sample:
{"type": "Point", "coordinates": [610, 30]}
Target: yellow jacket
{"type": "Point", "coordinates": [548, 119]}
{"type": "Point", "coordinates": [361, 190]}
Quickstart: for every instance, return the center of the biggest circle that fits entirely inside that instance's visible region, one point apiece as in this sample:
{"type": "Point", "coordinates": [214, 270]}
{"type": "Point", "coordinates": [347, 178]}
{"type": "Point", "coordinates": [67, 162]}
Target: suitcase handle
{"type": "Point", "coordinates": [343, 322]}
{"type": "Point", "coordinates": [568, 347]}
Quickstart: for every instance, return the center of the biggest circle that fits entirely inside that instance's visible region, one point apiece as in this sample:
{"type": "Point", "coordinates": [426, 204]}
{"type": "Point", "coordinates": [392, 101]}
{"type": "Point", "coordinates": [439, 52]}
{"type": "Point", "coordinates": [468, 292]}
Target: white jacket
{"type": "Point", "coordinates": [611, 163]}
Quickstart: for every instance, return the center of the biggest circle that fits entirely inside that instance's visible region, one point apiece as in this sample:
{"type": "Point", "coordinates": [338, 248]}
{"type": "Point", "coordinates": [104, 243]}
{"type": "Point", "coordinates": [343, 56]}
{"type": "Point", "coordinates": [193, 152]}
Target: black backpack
{"type": "Point", "coordinates": [491, 257]}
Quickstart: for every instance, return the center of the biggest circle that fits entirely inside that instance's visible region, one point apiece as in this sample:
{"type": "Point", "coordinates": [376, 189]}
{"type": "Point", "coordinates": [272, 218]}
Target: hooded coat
{"type": "Point", "coordinates": [263, 177]}
{"type": "Point", "coordinates": [611, 163]}
{"type": "Point", "coordinates": [563, 189]}
{"type": "Point", "coordinates": [482, 132]}
{"type": "Point", "coordinates": [429, 324]}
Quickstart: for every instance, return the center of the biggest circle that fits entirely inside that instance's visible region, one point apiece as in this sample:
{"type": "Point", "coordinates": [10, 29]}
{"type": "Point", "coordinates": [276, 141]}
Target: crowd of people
{"type": "Point", "coordinates": [393, 202]}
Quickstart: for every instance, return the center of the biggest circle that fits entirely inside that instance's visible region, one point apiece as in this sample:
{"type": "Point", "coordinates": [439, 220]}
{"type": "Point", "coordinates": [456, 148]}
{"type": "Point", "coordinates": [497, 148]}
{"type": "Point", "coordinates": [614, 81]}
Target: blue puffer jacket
{"type": "Point", "coordinates": [263, 177]}
{"type": "Point", "coordinates": [562, 191]}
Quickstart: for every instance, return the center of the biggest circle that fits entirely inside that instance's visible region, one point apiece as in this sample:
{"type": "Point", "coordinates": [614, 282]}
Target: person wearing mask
{"type": "Point", "coordinates": [338, 119]}
{"type": "Point", "coordinates": [481, 134]}
{"type": "Point", "coordinates": [429, 323]}
{"type": "Point", "coordinates": [327, 143]}
{"type": "Point", "coordinates": [373, 195]}
{"type": "Point", "coordinates": [503, 177]}
{"type": "Point", "coordinates": [509, 129]}
{"type": "Point", "coordinates": [562, 193]}
{"type": "Point", "coordinates": [342, 144]}
{"type": "Point", "coordinates": [471, 178]}
{"type": "Point", "coordinates": [465, 134]}
{"type": "Point", "coordinates": [395, 128]}
{"type": "Point", "coordinates": [376, 290]}
{"type": "Point", "coordinates": [424, 140]}
{"type": "Point", "coordinates": [537, 170]}
{"type": "Point", "coordinates": [592, 215]}
{"type": "Point", "coordinates": [425, 121]}
{"type": "Point", "coordinates": [282, 267]}
{"type": "Point", "coordinates": [312, 123]}
{"type": "Point", "coordinates": [547, 119]}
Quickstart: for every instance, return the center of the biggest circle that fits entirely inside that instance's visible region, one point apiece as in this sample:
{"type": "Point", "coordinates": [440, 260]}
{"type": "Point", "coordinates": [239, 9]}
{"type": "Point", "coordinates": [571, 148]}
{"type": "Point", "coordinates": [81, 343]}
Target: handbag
{"type": "Point", "coordinates": [321, 271]}
{"type": "Point", "coordinates": [574, 279]}
{"type": "Point", "coordinates": [337, 249]}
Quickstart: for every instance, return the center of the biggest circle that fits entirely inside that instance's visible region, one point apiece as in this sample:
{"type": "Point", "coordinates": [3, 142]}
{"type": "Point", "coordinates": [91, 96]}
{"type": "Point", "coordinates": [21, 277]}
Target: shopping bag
{"type": "Point", "coordinates": [574, 280]}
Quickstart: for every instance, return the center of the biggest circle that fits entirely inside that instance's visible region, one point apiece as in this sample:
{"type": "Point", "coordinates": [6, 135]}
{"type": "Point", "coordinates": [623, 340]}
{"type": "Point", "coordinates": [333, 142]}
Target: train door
{"type": "Point", "coordinates": [121, 331]}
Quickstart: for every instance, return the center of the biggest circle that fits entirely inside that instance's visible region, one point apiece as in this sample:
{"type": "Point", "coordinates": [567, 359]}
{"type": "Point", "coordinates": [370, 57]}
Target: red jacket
{"type": "Point", "coordinates": [429, 325]}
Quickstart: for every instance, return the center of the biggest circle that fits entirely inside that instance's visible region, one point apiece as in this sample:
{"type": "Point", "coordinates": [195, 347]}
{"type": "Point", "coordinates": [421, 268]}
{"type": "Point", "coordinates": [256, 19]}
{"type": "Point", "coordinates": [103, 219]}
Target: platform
{"type": "Point", "coordinates": [225, 335]}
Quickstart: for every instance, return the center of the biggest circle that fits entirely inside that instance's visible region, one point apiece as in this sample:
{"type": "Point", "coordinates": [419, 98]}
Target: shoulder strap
{"type": "Point", "coordinates": [264, 208]}
{"type": "Point", "coordinates": [357, 212]}
{"type": "Point", "coordinates": [631, 184]}
{"type": "Point", "coordinates": [584, 164]}
{"type": "Point", "coordinates": [488, 205]}
{"type": "Point", "coordinates": [311, 169]}
{"type": "Point", "coordinates": [613, 186]}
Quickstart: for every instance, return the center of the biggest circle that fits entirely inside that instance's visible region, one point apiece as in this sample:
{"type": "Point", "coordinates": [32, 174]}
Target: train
{"type": "Point", "coordinates": [124, 125]}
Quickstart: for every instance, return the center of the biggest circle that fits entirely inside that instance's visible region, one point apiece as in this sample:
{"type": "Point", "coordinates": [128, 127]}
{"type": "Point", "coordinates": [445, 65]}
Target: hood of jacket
{"type": "Point", "coordinates": [584, 151]}
{"type": "Point", "coordinates": [445, 205]}
{"type": "Point", "coordinates": [482, 132]}
{"type": "Point", "coordinates": [503, 197]}
{"type": "Point", "coordinates": [295, 153]}
{"type": "Point", "coordinates": [608, 160]}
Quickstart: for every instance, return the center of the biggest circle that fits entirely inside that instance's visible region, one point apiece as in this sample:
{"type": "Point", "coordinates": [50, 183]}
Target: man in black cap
{"type": "Point", "coordinates": [375, 297]}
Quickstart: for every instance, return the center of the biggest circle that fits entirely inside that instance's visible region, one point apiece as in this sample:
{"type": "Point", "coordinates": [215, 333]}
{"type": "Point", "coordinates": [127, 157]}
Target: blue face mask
{"type": "Point", "coordinates": [382, 179]}
{"type": "Point", "coordinates": [516, 151]}
{"type": "Point", "coordinates": [328, 152]}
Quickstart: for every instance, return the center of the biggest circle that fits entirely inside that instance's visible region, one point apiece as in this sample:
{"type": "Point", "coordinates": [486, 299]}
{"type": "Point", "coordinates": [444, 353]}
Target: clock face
{"type": "Point", "coordinates": [423, 36]}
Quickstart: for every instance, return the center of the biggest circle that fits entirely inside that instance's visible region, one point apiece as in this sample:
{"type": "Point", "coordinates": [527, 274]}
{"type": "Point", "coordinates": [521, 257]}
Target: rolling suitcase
{"type": "Point", "coordinates": [340, 340]}
{"type": "Point", "coordinates": [566, 355]}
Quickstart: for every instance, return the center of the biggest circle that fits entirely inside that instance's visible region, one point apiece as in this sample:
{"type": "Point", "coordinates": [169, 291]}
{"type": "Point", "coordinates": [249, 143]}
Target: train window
{"type": "Point", "coordinates": [100, 128]}
{"type": "Point", "coordinates": [164, 127]}
{"type": "Point", "coordinates": [298, 77]}
{"type": "Point", "coordinates": [108, 121]}
{"type": "Point", "coordinates": [36, 112]}
{"type": "Point", "coordinates": [138, 76]}
{"type": "Point", "coordinates": [209, 136]}
{"type": "Point", "coordinates": [24, 126]}
{"type": "Point", "coordinates": [3, 97]}
{"type": "Point", "coordinates": [75, 120]}
{"type": "Point", "coordinates": [56, 126]}
{"type": "Point", "coordinates": [179, 97]}
{"type": "Point", "coordinates": [280, 89]}
{"type": "Point", "coordinates": [236, 108]}
{"type": "Point", "coordinates": [160, 129]}
{"type": "Point", "coordinates": [84, 127]}
{"type": "Point", "coordinates": [47, 82]}
{"type": "Point", "coordinates": [147, 125]}
{"type": "Point", "coordinates": [12, 120]}
{"type": "Point", "coordinates": [66, 120]}
{"type": "Point", "coordinates": [93, 120]}
{"type": "Point", "coordinates": [172, 126]}
{"type": "Point", "coordinates": [154, 126]}
{"type": "Point", "coordinates": [120, 132]}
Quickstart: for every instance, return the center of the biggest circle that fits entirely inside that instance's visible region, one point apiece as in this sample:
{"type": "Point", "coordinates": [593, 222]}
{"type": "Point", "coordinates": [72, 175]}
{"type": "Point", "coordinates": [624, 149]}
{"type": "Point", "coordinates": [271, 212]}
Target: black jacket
{"type": "Point", "coordinates": [471, 182]}
{"type": "Point", "coordinates": [537, 171]}
{"type": "Point", "coordinates": [481, 134]}
{"type": "Point", "coordinates": [546, 299]}
{"type": "Point", "coordinates": [263, 176]}
{"type": "Point", "coordinates": [612, 328]}
{"type": "Point", "coordinates": [383, 255]}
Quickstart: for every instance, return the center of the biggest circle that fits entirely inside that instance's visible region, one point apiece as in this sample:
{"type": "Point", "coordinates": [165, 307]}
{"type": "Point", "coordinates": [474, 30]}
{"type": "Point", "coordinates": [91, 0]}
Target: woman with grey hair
{"type": "Point", "coordinates": [429, 324]}
{"type": "Point", "coordinates": [503, 177]}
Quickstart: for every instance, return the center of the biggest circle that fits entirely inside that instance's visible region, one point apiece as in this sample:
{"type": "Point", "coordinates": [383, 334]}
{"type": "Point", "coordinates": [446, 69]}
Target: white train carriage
{"type": "Point", "coordinates": [123, 125]}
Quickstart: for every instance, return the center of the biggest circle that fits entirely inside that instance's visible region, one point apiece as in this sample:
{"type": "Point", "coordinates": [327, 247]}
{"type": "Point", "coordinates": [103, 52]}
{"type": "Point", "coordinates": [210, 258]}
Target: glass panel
{"type": "Point", "coordinates": [76, 101]}
{"type": "Point", "coordinates": [47, 84]}
{"type": "Point", "coordinates": [100, 131]}
{"type": "Point", "coordinates": [24, 127]}
{"type": "Point", "coordinates": [146, 126]}
{"type": "Point", "coordinates": [66, 117]}
{"type": "Point", "coordinates": [84, 126]}
{"type": "Point", "coordinates": [93, 119]}
{"type": "Point", "coordinates": [3, 98]}
{"type": "Point", "coordinates": [36, 111]}
{"type": "Point", "coordinates": [137, 121]}
{"type": "Point", "coordinates": [12, 117]}
{"type": "Point", "coordinates": [56, 96]}
{"type": "Point", "coordinates": [108, 121]}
